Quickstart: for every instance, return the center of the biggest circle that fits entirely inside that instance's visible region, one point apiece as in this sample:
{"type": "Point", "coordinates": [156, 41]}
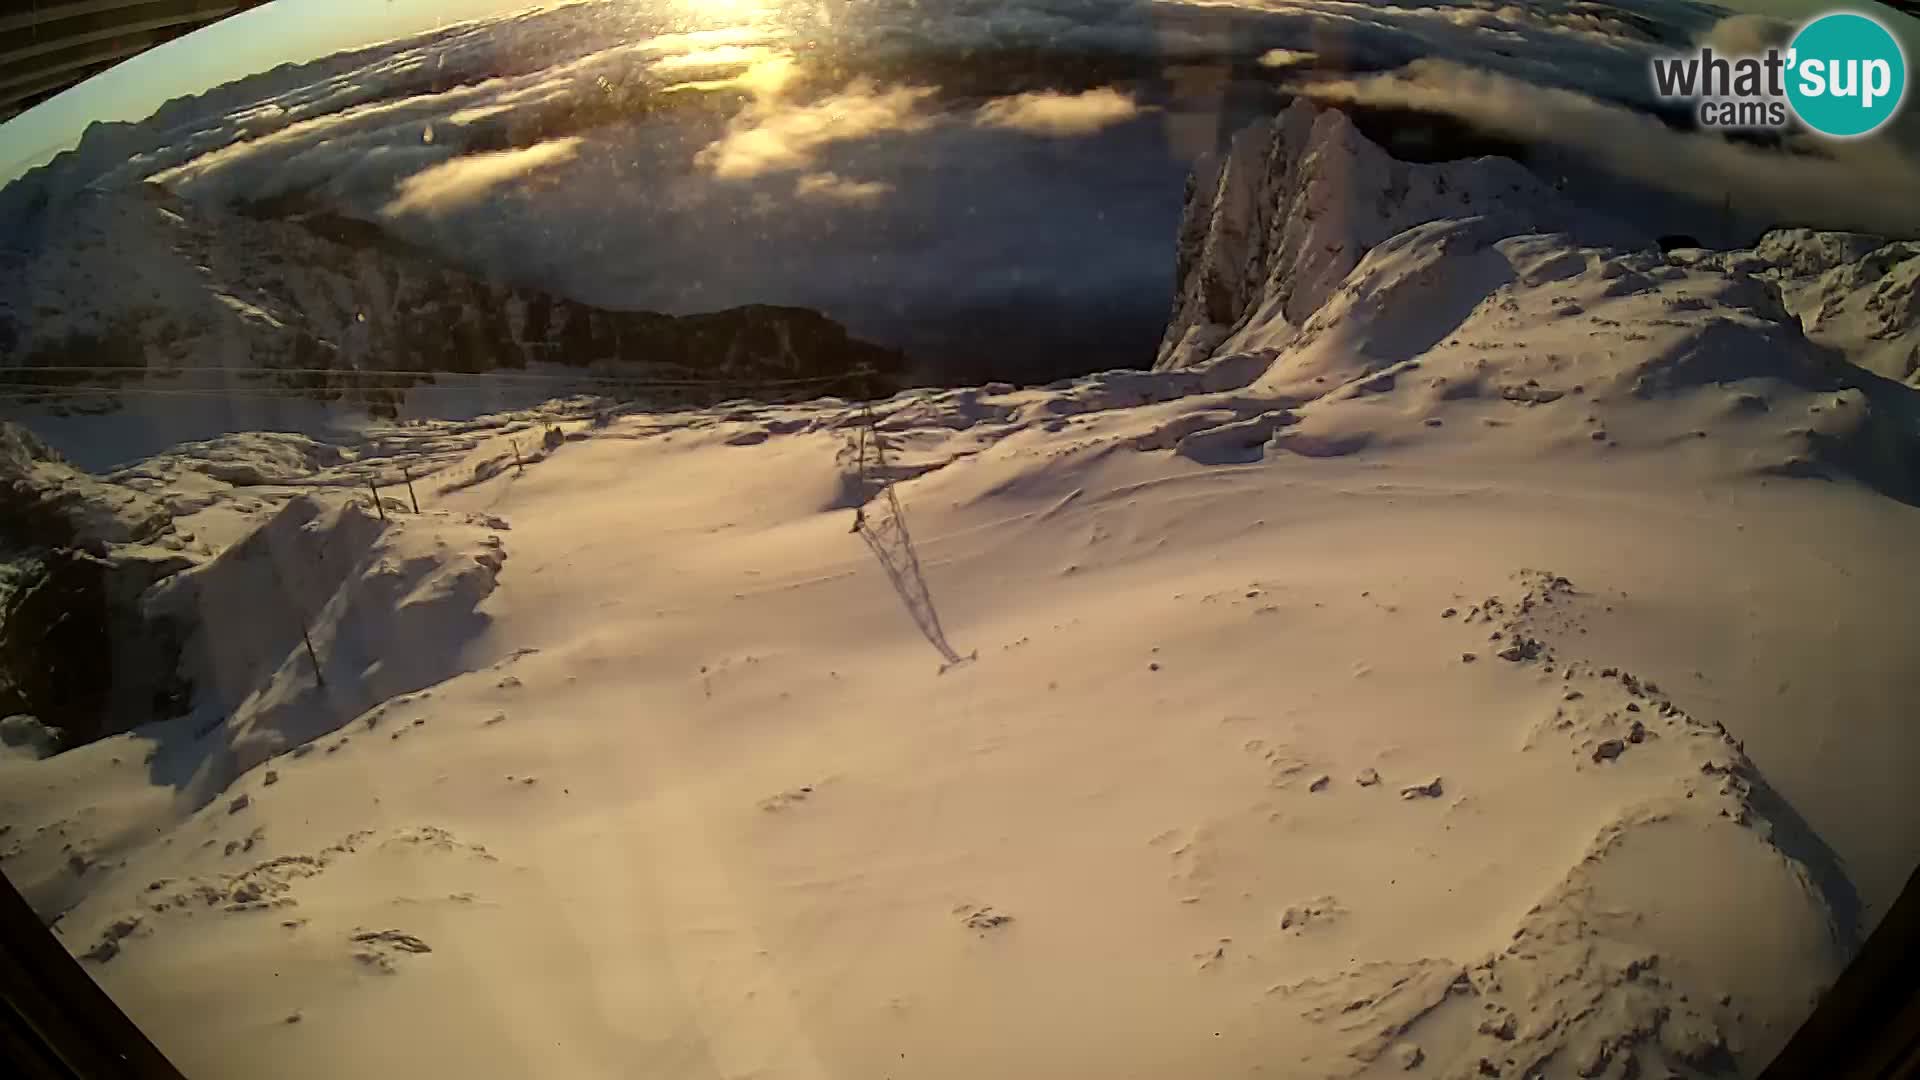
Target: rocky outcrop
{"type": "Point", "coordinates": [45, 502]}
{"type": "Point", "coordinates": [141, 280]}
{"type": "Point", "coordinates": [76, 650]}
{"type": "Point", "coordinates": [1276, 224]}
{"type": "Point", "coordinates": [1854, 292]}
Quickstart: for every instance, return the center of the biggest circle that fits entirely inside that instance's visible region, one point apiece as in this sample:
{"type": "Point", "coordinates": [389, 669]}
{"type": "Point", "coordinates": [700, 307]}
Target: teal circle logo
{"type": "Point", "coordinates": [1846, 74]}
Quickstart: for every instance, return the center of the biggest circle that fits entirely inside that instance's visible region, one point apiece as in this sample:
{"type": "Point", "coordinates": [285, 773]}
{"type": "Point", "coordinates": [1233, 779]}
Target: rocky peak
{"type": "Point", "coordinates": [1272, 227]}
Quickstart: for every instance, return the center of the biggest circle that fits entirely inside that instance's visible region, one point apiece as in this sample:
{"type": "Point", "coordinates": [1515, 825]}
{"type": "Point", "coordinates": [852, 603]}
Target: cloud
{"type": "Point", "coordinates": [773, 135]}
{"type": "Point", "coordinates": [718, 56]}
{"type": "Point", "coordinates": [1048, 112]}
{"type": "Point", "coordinates": [1745, 35]}
{"type": "Point", "coordinates": [345, 128]}
{"type": "Point", "coordinates": [451, 184]}
{"type": "Point", "coordinates": [704, 40]}
{"type": "Point", "coordinates": [1279, 58]}
{"type": "Point", "coordinates": [768, 79]}
{"type": "Point", "coordinates": [831, 187]}
{"type": "Point", "coordinates": [1864, 185]}
{"type": "Point", "coordinates": [348, 140]}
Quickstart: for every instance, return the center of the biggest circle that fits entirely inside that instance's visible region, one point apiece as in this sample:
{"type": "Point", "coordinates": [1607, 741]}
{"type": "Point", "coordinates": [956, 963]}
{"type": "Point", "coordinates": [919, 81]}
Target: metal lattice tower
{"type": "Point", "coordinates": [881, 522]}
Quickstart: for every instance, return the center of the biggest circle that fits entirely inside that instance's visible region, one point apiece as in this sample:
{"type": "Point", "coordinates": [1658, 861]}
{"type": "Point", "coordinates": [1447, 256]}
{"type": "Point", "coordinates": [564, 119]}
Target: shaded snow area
{"type": "Point", "coordinates": [1480, 650]}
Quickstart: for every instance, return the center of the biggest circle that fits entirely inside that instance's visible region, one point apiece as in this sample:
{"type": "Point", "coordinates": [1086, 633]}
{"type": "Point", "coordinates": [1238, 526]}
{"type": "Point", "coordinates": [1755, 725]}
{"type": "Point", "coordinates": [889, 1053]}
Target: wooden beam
{"type": "Point", "coordinates": [34, 81]}
{"type": "Point", "coordinates": [120, 28]}
{"type": "Point", "coordinates": [20, 99]}
{"type": "Point", "coordinates": [49, 45]}
{"type": "Point", "coordinates": [42, 14]}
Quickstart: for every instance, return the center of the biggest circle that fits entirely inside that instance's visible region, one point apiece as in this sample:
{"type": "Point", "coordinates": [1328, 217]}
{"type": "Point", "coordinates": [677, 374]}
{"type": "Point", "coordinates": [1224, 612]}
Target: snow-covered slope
{"type": "Point", "coordinates": [1501, 671]}
{"type": "Point", "coordinates": [96, 635]}
{"type": "Point", "coordinates": [1224, 731]}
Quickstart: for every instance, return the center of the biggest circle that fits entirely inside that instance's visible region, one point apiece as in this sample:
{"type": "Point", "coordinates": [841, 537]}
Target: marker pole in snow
{"type": "Point", "coordinates": [306, 639]}
{"type": "Point", "coordinates": [408, 473]}
{"type": "Point", "coordinates": [313, 657]}
{"type": "Point", "coordinates": [375, 492]}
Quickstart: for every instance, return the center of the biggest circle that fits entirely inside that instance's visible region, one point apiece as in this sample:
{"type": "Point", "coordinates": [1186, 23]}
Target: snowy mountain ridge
{"type": "Point", "coordinates": [1273, 227]}
{"type": "Point", "coordinates": [139, 278]}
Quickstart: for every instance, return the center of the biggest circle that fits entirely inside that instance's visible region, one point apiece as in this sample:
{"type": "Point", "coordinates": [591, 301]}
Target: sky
{"type": "Point", "coordinates": [279, 32]}
{"type": "Point", "coordinates": [992, 184]}
{"type": "Point", "coordinates": [294, 30]}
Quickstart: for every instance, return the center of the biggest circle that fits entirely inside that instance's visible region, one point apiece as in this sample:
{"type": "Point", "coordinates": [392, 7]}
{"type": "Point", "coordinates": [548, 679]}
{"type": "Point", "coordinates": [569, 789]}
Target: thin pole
{"type": "Point", "coordinates": [375, 492]}
{"type": "Point", "coordinates": [300, 616]}
{"type": "Point", "coordinates": [318, 677]}
{"type": "Point", "coordinates": [408, 473]}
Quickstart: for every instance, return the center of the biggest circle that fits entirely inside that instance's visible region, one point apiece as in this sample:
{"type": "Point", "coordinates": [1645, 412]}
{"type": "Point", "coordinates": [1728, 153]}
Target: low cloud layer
{"type": "Point", "coordinates": [781, 136]}
{"type": "Point", "coordinates": [1049, 112]}
{"type": "Point", "coordinates": [1745, 35]}
{"type": "Point", "coordinates": [832, 187]}
{"type": "Point", "coordinates": [535, 69]}
{"type": "Point", "coordinates": [1862, 185]}
{"type": "Point", "coordinates": [451, 184]}
{"type": "Point", "coordinates": [717, 56]}
{"type": "Point", "coordinates": [350, 129]}
{"type": "Point", "coordinates": [1282, 58]}
{"type": "Point", "coordinates": [689, 157]}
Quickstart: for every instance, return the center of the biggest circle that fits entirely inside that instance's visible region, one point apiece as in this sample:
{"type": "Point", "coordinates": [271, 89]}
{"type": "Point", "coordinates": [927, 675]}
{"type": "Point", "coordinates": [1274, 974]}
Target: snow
{"type": "Point", "coordinates": [51, 501]}
{"type": "Point", "coordinates": [322, 572]}
{"type": "Point", "coordinates": [1860, 300]}
{"type": "Point", "coordinates": [1297, 202]}
{"type": "Point", "coordinates": [186, 322]}
{"type": "Point", "coordinates": [1493, 651]}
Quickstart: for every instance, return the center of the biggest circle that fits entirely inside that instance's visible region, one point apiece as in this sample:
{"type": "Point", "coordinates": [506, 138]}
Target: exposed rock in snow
{"type": "Point", "coordinates": [75, 556]}
{"type": "Point", "coordinates": [1298, 201]}
{"type": "Point", "coordinates": [1857, 293]}
{"type": "Point", "coordinates": [25, 736]}
{"type": "Point", "coordinates": [46, 502]}
{"type": "Point", "coordinates": [1807, 252]}
{"type": "Point", "coordinates": [78, 649]}
{"type": "Point", "coordinates": [241, 459]}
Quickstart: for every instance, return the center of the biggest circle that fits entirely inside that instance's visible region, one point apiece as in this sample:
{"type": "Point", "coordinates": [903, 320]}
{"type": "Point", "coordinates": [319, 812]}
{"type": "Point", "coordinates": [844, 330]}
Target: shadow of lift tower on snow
{"type": "Point", "coordinates": [882, 524]}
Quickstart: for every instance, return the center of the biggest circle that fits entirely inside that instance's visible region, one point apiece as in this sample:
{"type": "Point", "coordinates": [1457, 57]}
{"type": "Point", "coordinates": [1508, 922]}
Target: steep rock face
{"type": "Point", "coordinates": [1272, 228]}
{"type": "Point", "coordinates": [141, 279]}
